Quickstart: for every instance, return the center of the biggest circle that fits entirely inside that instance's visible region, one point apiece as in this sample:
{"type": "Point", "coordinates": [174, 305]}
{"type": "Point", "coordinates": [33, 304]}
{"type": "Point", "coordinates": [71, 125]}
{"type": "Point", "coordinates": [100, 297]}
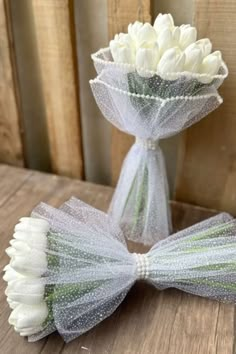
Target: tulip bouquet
{"type": "Point", "coordinates": [70, 267]}
{"type": "Point", "coordinates": [153, 82]}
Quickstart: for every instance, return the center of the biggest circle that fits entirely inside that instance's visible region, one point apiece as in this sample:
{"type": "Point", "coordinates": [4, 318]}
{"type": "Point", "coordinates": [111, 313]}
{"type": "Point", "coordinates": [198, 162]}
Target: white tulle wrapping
{"type": "Point", "coordinates": [91, 269]}
{"type": "Point", "coordinates": [149, 108]}
{"type": "Point", "coordinates": [154, 207]}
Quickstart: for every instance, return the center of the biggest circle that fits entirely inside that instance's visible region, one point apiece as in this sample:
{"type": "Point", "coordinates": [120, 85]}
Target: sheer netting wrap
{"type": "Point", "coordinates": [150, 108]}
{"type": "Point", "coordinates": [90, 269]}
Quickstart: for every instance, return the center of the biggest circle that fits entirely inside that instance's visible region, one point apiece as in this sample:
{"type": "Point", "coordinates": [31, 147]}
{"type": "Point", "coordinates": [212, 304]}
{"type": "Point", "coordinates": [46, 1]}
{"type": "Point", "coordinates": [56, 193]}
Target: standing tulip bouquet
{"type": "Point", "coordinates": [153, 82]}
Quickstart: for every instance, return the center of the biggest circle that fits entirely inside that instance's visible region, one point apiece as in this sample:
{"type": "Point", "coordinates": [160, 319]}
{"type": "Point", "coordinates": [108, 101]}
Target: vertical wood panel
{"type": "Point", "coordinates": [207, 163]}
{"type": "Point", "coordinates": [11, 150]}
{"type": "Point", "coordinates": [120, 14]}
{"type": "Point", "coordinates": [54, 30]}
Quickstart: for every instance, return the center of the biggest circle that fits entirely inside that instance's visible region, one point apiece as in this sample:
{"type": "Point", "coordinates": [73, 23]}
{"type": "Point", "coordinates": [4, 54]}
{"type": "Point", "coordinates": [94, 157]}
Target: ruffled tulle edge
{"type": "Point", "coordinates": [162, 100]}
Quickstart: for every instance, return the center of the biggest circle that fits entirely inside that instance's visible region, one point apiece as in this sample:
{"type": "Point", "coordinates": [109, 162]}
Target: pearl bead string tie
{"type": "Point", "coordinates": [142, 264]}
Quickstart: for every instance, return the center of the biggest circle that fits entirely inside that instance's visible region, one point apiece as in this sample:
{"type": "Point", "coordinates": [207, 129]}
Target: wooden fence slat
{"type": "Point", "coordinates": [54, 29]}
{"type": "Point", "coordinates": [120, 14]}
{"type": "Point", "coordinates": [11, 150]}
{"type": "Point", "coordinates": [207, 165]}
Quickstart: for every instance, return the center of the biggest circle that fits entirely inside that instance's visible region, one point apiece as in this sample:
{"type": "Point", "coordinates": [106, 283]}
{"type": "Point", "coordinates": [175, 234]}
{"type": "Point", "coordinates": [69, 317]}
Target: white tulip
{"type": "Point", "coordinates": [204, 44]}
{"type": "Point", "coordinates": [147, 59]}
{"type": "Point", "coordinates": [123, 49]}
{"type": "Point", "coordinates": [163, 21]}
{"type": "Point", "coordinates": [32, 225]}
{"type": "Point", "coordinates": [171, 62]}
{"type": "Point", "coordinates": [28, 331]}
{"type": "Point", "coordinates": [28, 319]}
{"type": "Point", "coordinates": [11, 274]}
{"type": "Point", "coordinates": [12, 304]}
{"type": "Point", "coordinates": [188, 35]}
{"type": "Point", "coordinates": [210, 66]}
{"type": "Point", "coordinates": [34, 239]}
{"type": "Point", "coordinates": [10, 251]}
{"type": "Point", "coordinates": [168, 38]}
{"type": "Point", "coordinates": [133, 29]}
{"type": "Point", "coordinates": [29, 291]}
{"type": "Point", "coordinates": [27, 260]}
{"type": "Point", "coordinates": [146, 34]}
{"type": "Point", "coordinates": [193, 60]}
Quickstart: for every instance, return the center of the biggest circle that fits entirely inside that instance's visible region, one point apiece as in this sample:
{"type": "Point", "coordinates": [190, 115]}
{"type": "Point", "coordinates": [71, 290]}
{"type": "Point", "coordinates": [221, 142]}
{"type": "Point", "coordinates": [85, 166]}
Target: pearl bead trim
{"type": "Point", "coordinates": [142, 264]}
{"type": "Point", "coordinates": [147, 144]}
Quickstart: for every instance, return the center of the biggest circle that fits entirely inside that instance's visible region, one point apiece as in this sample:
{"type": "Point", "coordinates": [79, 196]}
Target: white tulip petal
{"type": "Point", "coordinates": [133, 29]}
{"type": "Point", "coordinates": [29, 291]}
{"type": "Point", "coordinates": [33, 225]}
{"type": "Point", "coordinates": [162, 21]}
{"type": "Point", "coordinates": [210, 66]}
{"type": "Point", "coordinates": [33, 239]}
{"type": "Point", "coordinates": [28, 331]}
{"type": "Point", "coordinates": [10, 251]}
{"type": "Point", "coordinates": [146, 34]}
{"type": "Point", "coordinates": [188, 35]}
{"type": "Point", "coordinates": [12, 304]}
{"type": "Point", "coordinates": [147, 59]}
{"type": "Point", "coordinates": [33, 262]}
{"type": "Point", "coordinates": [11, 274]}
{"type": "Point", "coordinates": [35, 221]}
{"type": "Point", "coordinates": [123, 49]}
{"type": "Point", "coordinates": [30, 316]}
{"type": "Point", "coordinates": [171, 62]}
{"type": "Point", "coordinates": [193, 60]}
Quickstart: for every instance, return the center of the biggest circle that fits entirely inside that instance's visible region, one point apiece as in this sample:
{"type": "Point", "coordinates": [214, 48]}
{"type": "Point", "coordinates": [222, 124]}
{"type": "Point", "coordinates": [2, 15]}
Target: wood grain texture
{"type": "Point", "coordinates": [11, 150]}
{"type": "Point", "coordinates": [207, 164]}
{"type": "Point", "coordinates": [54, 30]}
{"type": "Point", "coordinates": [120, 14]}
{"type": "Point", "coordinates": [148, 321]}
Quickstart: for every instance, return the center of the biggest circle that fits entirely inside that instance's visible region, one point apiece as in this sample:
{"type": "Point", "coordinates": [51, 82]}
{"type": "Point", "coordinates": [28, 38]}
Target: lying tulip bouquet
{"type": "Point", "coordinates": [70, 267]}
{"type": "Point", "coordinates": [153, 82]}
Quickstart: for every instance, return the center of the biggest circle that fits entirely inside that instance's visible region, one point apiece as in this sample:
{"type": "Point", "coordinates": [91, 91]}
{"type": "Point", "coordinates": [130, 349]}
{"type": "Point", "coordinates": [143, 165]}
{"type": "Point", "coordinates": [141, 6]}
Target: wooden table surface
{"type": "Point", "coordinates": [148, 321]}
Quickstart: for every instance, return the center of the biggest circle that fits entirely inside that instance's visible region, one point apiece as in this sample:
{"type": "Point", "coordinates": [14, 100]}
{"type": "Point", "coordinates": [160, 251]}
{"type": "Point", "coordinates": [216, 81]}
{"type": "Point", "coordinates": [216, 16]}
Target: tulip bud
{"type": "Point", "coordinates": [163, 21]}
{"type": "Point", "coordinates": [123, 49]}
{"type": "Point", "coordinates": [204, 44]}
{"type": "Point", "coordinates": [28, 319]}
{"type": "Point", "coordinates": [34, 239]}
{"type": "Point", "coordinates": [168, 38]}
{"type": "Point", "coordinates": [10, 251]}
{"type": "Point", "coordinates": [29, 261]}
{"type": "Point", "coordinates": [42, 224]}
{"type": "Point", "coordinates": [29, 291]}
{"type": "Point", "coordinates": [193, 60]}
{"type": "Point", "coordinates": [146, 34]}
{"type": "Point", "coordinates": [133, 29]}
{"type": "Point", "coordinates": [147, 59]}
{"type": "Point", "coordinates": [11, 274]}
{"type": "Point", "coordinates": [172, 61]}
{"type": "Point", "coordinates": [188, 35]}
{"type": "Point", "coordinates": [210, 66]}
{"type": "Point", "coordinates": [12, 304]}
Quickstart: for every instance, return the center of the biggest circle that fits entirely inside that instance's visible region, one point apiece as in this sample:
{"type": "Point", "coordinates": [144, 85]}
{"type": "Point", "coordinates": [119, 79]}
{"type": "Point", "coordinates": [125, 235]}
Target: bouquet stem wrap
{"type": "Point", "coordinates": [141, 200]}
{"type": "Point", "coordinates": [150, 108]}
{"type": "Point", "coordinates": [80, 270]}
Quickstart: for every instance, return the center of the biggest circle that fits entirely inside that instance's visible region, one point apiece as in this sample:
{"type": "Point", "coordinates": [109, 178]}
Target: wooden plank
{"type": "Point", "coordinates": [120, 14]}
{"type": "Point", "coordinates": [11, 150]}
{"type": "Point", "coordinates": [54, 30]}
{"type": "Point", "coordinates": [148, 321]}
{"type": "Point", "coordinates": [207, 165]}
